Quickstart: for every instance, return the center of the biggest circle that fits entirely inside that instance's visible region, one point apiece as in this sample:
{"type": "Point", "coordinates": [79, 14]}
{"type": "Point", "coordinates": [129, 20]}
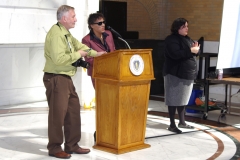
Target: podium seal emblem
{"type": "Point", "coordinates": [136, 64]}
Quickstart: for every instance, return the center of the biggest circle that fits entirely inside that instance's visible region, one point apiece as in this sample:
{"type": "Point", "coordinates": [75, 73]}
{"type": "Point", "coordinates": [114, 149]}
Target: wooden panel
{"type": "Point", "coordinates": [121, 101]}
{"type": "Point", "coordinates": [121, 113]}
{"type": "Point", "coordinates": [147, 59]}
{"type": "Point", "coordinates": [115, 65]}
{"type": "Point", "coordinates": [107, 66]}
{"type": "Point", "coordinates": [132, 116]}
{"type": "Point", "coordinates": [107, 113]}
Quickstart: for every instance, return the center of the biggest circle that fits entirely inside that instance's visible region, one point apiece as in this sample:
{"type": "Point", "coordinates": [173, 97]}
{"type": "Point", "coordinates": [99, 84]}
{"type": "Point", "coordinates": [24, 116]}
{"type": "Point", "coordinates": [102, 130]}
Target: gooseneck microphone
{"type": "Point", "coordinates": [118, 35]}
{"type": "Point", "coordinates": [115, 32]}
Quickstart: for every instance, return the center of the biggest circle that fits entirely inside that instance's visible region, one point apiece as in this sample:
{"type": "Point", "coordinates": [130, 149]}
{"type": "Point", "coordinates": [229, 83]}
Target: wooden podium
{"type": "Point", "coordinates": [121, 100]}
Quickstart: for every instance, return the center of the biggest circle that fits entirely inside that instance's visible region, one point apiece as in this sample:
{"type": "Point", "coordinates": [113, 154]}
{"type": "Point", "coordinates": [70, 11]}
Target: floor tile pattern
{"type": "Point", "coordinates": [23, 136]}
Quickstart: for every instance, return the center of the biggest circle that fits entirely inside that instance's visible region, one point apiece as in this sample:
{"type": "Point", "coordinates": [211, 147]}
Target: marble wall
{"type": "Point", "coordinates": [24, 27]}
{"type": "Point", "coordinates": [21, 73]}
{"type": "Point", "coordinates": [27, 21]}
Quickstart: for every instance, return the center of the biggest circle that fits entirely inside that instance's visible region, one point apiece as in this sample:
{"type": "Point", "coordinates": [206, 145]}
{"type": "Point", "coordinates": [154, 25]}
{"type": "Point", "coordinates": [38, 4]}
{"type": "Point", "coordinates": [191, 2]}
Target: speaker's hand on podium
{"type": "Point", "coordinates": [101, 53]}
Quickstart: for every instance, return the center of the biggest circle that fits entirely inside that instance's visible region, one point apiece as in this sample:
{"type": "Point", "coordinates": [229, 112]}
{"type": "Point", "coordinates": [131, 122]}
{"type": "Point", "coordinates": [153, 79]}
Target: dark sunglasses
{"type": "Point", "coordinates": [100, 23]}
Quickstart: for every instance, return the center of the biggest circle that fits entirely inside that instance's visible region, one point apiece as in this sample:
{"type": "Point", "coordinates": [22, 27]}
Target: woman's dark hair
{"type": "Point", "coordinates": [177, 24]}
{"type": "Point", "coordinates": [93, 17]}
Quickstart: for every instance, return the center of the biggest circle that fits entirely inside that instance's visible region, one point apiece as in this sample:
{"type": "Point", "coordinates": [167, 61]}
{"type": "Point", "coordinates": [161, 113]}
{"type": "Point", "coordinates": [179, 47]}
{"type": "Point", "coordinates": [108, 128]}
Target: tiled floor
{"type": "Point", "coordinates": [23, 136]}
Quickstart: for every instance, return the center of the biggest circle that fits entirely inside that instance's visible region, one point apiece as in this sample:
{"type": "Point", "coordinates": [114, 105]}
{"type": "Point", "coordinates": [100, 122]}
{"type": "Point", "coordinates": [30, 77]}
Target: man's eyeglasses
{"type": "Point", "coordinates": [100, 23]}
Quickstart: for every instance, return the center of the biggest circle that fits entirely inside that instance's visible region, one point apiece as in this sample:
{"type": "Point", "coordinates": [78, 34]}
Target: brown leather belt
{"type": "Point", "coordinates": [54, 74]}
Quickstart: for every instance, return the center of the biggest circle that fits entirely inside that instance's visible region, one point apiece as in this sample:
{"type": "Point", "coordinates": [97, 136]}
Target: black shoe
{"type": "Point", "coordinates": [175, 129]}
{"type": "Point", "coordinates": [186, 126]}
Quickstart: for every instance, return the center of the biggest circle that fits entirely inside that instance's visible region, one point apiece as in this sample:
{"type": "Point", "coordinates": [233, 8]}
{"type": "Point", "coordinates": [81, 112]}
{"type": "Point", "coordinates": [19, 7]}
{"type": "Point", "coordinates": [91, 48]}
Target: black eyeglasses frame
{"type": "Point", "coordinates": [100, 23]}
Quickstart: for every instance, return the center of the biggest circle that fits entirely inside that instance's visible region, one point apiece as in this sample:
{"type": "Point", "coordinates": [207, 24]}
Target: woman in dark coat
{"type": "Point", "coordinates": [180, 70]}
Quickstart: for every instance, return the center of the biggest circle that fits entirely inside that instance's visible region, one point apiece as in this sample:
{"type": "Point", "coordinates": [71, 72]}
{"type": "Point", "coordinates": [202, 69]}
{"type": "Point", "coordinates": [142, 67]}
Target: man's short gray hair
{"type": "Point", "coordinates": [62, 10]}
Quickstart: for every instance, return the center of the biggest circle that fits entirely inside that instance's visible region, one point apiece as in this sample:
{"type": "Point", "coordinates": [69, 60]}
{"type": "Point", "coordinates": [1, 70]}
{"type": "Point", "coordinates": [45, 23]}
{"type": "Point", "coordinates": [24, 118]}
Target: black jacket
{"type": "Point", "coordinates": [179, 61]}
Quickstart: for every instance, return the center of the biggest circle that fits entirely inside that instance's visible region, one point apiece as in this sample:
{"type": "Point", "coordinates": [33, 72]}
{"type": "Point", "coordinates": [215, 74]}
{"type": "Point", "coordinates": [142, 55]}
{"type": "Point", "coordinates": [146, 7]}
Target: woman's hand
{"type": "Point", "coordinates": [85, 53]}
{"type": "Point", "coordinates": [101, 53]}
{"type": "Point", "coordinates": [195, 44]}
{"type": "Point", "coordinates": [195, 48]}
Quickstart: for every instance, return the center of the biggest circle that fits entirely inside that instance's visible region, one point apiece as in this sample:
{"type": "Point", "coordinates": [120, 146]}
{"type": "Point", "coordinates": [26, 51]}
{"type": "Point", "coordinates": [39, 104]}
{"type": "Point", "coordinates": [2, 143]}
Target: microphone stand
{"type": "Point", "coordinates": [124, 42]}
{"type": "Point", "coordinates": [118, 36]}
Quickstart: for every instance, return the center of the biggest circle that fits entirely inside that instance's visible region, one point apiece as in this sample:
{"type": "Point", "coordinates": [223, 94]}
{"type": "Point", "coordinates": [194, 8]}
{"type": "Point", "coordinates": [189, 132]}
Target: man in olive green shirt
{"type": "Point", "coordinates": [61, 50]}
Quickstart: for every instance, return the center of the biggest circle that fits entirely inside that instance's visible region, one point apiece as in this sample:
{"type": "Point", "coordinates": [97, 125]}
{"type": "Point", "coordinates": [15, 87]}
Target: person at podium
{"type": "Point", "coordinates": [98, 39]}
{"type": "Point", "coordinates": [179, 71]}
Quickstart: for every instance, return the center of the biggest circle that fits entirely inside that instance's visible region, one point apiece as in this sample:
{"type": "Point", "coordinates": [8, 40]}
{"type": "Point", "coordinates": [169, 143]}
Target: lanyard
{"type": "Point", "coordinates": [69, 44]}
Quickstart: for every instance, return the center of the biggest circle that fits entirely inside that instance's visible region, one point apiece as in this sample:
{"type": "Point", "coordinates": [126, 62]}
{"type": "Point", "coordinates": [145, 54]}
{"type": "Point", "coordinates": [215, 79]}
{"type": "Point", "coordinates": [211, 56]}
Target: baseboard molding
{"type": "Point", "coordinates": [157, 97]}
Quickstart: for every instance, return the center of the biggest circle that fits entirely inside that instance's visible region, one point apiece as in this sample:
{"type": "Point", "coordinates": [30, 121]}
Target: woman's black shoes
{"type": "Point", "coordinates": [174, 129]}
{"type": "Point", "coordinates": [186, 126]}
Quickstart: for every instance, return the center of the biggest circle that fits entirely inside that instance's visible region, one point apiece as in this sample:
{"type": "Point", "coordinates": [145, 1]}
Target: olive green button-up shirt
{"type": "Point", "coordinates": [60, 51]}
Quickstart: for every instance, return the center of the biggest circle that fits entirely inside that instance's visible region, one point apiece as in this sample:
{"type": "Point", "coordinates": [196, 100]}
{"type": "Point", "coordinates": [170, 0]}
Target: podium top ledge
{"type": "Point", "coordinates": [131, 50]}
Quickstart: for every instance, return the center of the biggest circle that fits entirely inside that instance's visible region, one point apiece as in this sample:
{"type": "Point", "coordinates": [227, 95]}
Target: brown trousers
{"type": "Point", "coordinates": [64, 113]}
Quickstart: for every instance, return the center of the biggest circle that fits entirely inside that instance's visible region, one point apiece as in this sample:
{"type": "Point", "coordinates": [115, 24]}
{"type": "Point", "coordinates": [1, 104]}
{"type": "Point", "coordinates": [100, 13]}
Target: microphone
{"type": "Point", "coordinates": [118, 35]}
{"type": "Point", "coordinates": [115, 32]}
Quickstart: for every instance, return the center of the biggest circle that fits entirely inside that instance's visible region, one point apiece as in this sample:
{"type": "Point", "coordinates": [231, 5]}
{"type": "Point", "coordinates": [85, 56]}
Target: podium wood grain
{"type": "Point", "coordinates": [121, 101]}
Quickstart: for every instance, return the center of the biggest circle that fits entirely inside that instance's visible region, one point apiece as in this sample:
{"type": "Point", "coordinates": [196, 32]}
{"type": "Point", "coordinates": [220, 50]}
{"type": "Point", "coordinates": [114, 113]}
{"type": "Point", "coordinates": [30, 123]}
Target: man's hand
{"type": "Point", "coordinates": [82, 53]}
{"type": "Point", "coordinates": [101, 53]}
